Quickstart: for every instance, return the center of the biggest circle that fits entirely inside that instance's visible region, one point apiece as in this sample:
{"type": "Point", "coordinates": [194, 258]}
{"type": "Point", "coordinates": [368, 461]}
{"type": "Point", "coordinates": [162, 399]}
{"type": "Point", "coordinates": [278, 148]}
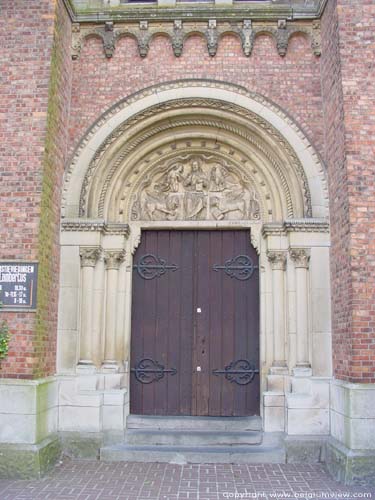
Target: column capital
{"type": "Point", "coordinates": [300, 257]}
{"type": "Point", "coordinates": [89, 256]}
{"type": "Point", "coordinates": [277, 259]}
{"type": "Point", "coordinates": [114, 258]}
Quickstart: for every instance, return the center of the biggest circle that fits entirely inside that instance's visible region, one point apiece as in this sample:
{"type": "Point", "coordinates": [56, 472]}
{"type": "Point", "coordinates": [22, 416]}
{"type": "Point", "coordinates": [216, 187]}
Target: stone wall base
{"type": "Point", "coordinates": [305, 449]}
{"type": "Point", "coordinates": [348, 466]}
{"type": "Point", "coordinates": [29, 461]}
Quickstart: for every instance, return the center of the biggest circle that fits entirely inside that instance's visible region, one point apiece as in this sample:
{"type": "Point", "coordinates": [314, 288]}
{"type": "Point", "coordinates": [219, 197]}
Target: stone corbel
{"type": "Point", "coordinates": [76, 40]}
{"type": "Point", "coordinates": [247, 37]}
{"type": "Point", "coordinates": [144, 38]}
{"type": "Point", "coordinates": [212, 37]}
{"type": "Point", "coordinates": [282, 37]}
{"type": "Point", "coordinates": [178, 38]}
{"type": "Point", "coordinates": [316, 42]}
{"type": "Point", "coordinates": [109, 39]}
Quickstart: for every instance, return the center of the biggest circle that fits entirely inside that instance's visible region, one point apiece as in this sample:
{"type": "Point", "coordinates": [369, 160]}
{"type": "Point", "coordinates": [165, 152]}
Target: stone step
{"type": "Point", "coordinates": [145, 422]}
{"type": "Point", "coordinates": [191, 438]}
{"type": "Point", "coordinates": [271, 452]}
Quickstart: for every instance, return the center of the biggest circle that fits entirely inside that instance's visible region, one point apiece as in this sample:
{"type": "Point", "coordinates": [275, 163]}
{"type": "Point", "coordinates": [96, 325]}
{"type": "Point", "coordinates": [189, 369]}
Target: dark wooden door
{"type": "Point", "coordinates": [195, 324]}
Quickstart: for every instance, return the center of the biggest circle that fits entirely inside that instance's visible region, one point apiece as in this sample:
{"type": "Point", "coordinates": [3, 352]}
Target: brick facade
{"type": "Point", "coordinates": [348, 96]}
{"type": "Point", "coordinates": [49, 102]}
{"type": "Point", "coordinates": [35, 93]}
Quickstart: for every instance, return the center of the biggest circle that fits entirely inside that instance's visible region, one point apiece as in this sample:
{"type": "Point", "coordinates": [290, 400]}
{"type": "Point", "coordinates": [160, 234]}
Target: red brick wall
{"type": "Point", "coordinates": [34, 105]}
{"type": "Point", "coordinates": [293, 82]}
{"type": "Point", "coordinates": [349, 97]}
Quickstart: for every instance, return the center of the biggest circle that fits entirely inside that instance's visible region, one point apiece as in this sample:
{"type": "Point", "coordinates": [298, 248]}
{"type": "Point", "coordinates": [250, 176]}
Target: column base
{"type": "Point", "coordinates": [85, 367]}
{"type": "Point", "coordinates": [302, 371]}
{"type": "Point", "coordinates": [111, 367]}
{"type": "Point", "coordinates": [277, 369]}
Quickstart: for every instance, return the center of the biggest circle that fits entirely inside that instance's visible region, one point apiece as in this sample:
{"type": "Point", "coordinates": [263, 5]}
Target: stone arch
{"type": "Point", "coordinates": [248, 130]}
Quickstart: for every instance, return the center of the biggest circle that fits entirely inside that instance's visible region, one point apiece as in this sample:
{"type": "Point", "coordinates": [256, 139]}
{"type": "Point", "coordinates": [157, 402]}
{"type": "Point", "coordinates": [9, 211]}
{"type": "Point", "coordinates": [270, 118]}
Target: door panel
{"type": "Point", "coordinates": [195, 305]}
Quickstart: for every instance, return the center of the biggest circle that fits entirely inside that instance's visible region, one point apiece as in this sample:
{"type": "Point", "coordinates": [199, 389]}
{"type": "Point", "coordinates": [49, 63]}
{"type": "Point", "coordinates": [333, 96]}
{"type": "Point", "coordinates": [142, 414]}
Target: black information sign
{"type": "Point", "coordinates": [18, 282]}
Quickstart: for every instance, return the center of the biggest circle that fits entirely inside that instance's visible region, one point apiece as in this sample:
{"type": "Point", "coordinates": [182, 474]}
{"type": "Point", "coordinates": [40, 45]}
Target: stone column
{"type": "Point", "coordinates": [89, 258]}
{"type": "Point", "coordinates": [113, 260]}
{"type": "Point", "coordinates": [301, 259]}
{"type": "Point", "coordinates": [278, 264]}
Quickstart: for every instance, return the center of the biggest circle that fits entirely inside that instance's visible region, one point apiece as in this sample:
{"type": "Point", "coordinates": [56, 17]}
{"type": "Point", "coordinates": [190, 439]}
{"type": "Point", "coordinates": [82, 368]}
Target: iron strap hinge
{"type": "Point", "coordinates": [241, 372]}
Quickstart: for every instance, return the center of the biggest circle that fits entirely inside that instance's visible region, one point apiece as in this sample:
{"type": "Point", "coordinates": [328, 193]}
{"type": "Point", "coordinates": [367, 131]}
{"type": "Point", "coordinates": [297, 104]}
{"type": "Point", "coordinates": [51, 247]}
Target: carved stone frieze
{"type": "Point", "coordinates": [89, 256]}
{"type": "Point", "coordinates": [196, 188]}
{"type": "Point", "coordinates": [177, 33]}
{"type": "Point", "coordinates": [300, 257]}
{"type": "Point", "coordinates": [114, 258]}
{"type": "Point", "coordinates": [277, 260]}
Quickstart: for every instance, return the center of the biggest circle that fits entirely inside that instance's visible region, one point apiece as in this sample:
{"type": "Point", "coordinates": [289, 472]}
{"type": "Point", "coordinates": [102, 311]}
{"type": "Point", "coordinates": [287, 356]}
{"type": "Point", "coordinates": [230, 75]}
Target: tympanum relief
{"type": "Point", "coordinates": [196, 188]}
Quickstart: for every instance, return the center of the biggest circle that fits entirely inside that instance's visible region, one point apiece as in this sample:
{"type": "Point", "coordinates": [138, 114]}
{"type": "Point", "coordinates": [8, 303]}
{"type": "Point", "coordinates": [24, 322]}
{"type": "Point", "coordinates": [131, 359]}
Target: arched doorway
{"type": "Point", "coordinates": [197, 156]}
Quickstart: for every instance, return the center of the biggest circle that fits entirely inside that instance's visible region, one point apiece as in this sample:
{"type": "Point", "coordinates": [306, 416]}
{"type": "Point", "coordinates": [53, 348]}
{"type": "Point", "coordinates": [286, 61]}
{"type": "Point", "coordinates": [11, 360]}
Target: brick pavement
{"type": "Point", "coordinates": [93, 480]}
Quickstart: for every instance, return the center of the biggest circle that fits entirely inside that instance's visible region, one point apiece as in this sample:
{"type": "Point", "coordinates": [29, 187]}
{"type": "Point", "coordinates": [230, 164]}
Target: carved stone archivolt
{"type": "Point", "coordinates": [178, 32]}
{"type": "Point", "coordinates": [247, 141]}
{"type": "Point", "coordinates": [196, 187]}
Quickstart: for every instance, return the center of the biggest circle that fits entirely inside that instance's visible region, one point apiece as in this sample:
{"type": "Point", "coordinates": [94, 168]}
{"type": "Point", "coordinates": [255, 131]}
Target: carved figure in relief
{"type": "Point", "coordinates": [153, 207]}
{"type": "Point", "coordinates": [196, 188]}
{"type": "Point", "coordinates": [172, 179]}
{"type": "Point", "coordinates": [195, 204]}
{"type": "Point", "coordinates": [220, 207]}
{"type": "Point", "coordinates": [217, 178]}
{"type": "Point", "coordinates": [196, 180]}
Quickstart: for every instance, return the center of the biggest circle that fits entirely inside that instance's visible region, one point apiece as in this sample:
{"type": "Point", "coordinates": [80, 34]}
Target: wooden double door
{"type": "Point", "coordinates": [195, 324]}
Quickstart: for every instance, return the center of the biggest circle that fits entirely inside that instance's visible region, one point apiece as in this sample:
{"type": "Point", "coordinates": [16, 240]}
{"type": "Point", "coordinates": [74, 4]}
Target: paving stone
{"type": "Point", "coordinates": [94, 480]}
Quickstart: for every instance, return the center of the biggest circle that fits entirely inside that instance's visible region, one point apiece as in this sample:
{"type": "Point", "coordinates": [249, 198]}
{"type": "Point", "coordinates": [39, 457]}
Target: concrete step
{"type": "Point", "coordinates": [194, 423]}
{"type": "Point", "coordinates": [270, 451]}
{"type": "Point", "coordinates": [191, 438]}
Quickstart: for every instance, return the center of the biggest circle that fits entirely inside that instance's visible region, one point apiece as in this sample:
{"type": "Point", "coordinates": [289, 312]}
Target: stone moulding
{"type": "Point", "coordinates": [211, 31]}
{"type": "Point", "coordinates": [97, 225]}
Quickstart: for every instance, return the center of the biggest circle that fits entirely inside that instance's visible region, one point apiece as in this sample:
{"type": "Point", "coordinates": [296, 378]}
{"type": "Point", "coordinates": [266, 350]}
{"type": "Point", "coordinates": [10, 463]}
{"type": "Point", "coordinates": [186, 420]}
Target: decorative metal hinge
{"type": "Point", "coordinates": [151, 266]}
{"type": "Point", "coordinates": [148, 370]}
{"type": "Point", "coordinates": [240, 267]}
{"type": "Point", "coordinates": [241, 372]}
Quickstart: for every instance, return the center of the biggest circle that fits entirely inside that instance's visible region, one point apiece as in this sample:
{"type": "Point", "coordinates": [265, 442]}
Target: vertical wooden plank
{"type": "Point", "coordinates": [175, 300]}
{"type": "Point", "coordinates": [228, 325]}
{"type": "Point", "coordinates": [202, 312]}
{"type": "Point", "coordinates": [148, 306]}
{"type": "Point", "coordinates": [186, 323]}
{"type": "Point", "coordinates": [161, 324]}
{"type": "Point", "coordinates": [215, 330]}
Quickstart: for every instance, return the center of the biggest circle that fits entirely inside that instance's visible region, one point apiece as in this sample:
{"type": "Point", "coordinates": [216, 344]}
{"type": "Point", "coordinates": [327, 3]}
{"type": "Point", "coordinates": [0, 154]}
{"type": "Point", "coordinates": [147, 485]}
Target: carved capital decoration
{"type": "Point", "coordinates": [89, 256]}
{"type": "Point", "coordinates": [144, 31]}
{"type": "Point", "coordinates": [114, 258]}
{"type": "Point", "coordinates": [195, 187]}
{"type": "Point", "coordinates": [300, 257]}
{"type": "Point", "coordinates": [277, 260]}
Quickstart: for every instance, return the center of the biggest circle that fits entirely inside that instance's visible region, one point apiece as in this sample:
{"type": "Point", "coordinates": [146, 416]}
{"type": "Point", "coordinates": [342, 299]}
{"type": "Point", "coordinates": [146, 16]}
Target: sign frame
{"type": "Point", "coordinates": [21, 286]}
